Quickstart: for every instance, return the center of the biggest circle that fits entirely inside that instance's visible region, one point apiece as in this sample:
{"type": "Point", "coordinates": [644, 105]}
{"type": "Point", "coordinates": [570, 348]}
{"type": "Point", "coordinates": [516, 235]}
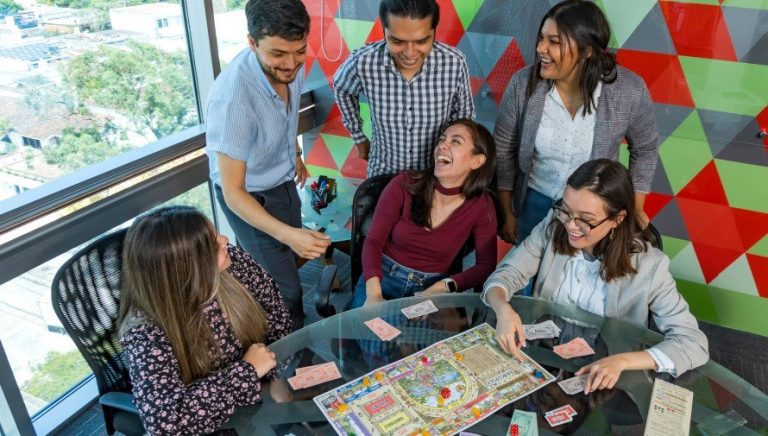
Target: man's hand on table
{"type": "Point", "coordinates": [308, 244]}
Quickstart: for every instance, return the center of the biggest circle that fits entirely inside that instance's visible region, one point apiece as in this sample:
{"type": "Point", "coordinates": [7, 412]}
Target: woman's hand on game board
{"type": "Point", "coordinates": [509, 330]}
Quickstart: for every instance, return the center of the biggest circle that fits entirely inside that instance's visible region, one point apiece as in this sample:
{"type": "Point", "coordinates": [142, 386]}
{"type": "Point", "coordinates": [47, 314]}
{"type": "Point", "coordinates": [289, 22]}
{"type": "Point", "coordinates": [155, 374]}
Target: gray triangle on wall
{"type": "Point", "coordinates": [745, 147]}
{"type": "Point", "coordinates": [651, 34]}
{"type": "Point", "coordinates": [668, 118]}
{"type": "Point", "coordinates": [721, 128]}
{"type": "Point", "coordinates": [670, 222]}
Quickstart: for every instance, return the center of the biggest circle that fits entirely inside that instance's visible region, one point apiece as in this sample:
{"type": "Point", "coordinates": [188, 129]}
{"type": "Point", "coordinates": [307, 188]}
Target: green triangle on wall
{"type": "Point", "coordinates": [365, 114]}
{"type": "Point", "coordinates": [750, 4]}
{"type": "Point", "coordinates": [339, 146]}
{"type": "Point", "coordinates": [315, 171]}
{"type": "Point", "coordinates": [673, 246]}
{"type": "Point", "coordinates": [624, 17]}
{"type": "Point", "coordinates": [354, 32]}
{"type": "Point", "coordinates": [744, 184]}
{"type": "Point", "coordinates": [761, 248]}
{"type": "Point", "coordinates": [466, 10]}
{"type": "Point", "coordinates": [685, 152]}
{"type": "Point", "coordinates": [734, 87]}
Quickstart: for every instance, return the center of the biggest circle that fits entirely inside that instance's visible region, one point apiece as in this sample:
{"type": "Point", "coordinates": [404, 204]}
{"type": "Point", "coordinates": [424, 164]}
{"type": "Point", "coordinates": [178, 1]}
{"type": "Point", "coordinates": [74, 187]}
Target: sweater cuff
{"type": "Point", "coordinates": [494, 284]}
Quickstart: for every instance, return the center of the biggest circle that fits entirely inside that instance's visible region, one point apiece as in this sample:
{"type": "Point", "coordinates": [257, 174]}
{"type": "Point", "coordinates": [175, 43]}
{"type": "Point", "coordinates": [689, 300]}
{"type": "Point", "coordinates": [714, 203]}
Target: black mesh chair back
{"type": "Point", "coordinates": [363, 206]}
{"type": "Point", "coordinates": [655, 237]}
{"type": "Point", "coordinates": [86, 298]}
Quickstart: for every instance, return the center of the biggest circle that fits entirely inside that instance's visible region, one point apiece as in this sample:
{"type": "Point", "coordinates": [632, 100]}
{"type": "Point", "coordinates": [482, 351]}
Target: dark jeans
{"type": "Point", "coordinates": [535, 208]}
{"type": "Point", "coordinates": [283, 203]}
{"type": "Point", "coordinates": [398, 282]}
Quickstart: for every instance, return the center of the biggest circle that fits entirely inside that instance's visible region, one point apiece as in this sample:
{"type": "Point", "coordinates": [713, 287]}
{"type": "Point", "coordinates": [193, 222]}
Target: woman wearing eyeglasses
{"type": "Point", "coordinates": [591, 252]}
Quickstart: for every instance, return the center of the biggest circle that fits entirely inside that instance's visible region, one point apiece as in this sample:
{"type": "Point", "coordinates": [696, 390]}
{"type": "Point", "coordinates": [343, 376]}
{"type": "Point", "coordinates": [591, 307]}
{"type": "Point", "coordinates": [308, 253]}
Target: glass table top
{"type": "Point", "coordinates": [721, 398]}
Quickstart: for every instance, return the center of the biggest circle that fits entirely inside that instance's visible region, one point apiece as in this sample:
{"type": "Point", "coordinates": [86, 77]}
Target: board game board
{"type": "Point", "coordinates": [439, 390]}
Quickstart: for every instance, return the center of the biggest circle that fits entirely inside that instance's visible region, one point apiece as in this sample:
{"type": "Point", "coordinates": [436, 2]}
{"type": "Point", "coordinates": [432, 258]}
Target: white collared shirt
{"type": "Point", "coordinates": [562, 143]}
{"type": "Point", "coordinates": [584, 287]}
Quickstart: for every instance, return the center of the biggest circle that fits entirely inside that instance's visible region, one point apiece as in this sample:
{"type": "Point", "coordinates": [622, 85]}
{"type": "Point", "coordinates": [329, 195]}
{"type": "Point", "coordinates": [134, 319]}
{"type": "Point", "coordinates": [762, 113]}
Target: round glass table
{"type": "Point", "coordinates": [723, 402]}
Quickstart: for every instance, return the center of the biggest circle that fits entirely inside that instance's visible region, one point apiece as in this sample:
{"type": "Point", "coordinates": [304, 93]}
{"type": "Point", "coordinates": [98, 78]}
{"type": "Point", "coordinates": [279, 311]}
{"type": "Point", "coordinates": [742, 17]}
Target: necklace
{"type": "Point", "coordinates": [447, 191]}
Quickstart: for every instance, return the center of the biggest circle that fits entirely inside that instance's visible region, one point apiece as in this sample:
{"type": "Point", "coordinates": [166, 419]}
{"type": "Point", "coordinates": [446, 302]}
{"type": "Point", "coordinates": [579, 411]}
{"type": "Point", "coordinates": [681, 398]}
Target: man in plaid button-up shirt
{"type": "Point", "coordinates": [413, 84]}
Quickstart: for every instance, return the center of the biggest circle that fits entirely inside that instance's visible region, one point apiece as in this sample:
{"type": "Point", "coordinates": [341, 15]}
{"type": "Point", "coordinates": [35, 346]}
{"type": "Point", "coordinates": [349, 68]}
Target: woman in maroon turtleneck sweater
{"type": "Point", "coordinates": [423, 218]}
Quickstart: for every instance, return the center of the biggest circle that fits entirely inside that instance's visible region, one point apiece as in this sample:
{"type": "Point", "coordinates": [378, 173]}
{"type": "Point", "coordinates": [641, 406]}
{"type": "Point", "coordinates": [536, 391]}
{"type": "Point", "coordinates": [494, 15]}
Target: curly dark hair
{"type": "Point", "coordinates": [287, 19]}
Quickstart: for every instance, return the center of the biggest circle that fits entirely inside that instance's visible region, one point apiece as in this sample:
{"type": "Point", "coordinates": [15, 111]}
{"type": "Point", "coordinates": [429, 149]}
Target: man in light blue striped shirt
{"type": "Point", "coordinates": [252, 121]}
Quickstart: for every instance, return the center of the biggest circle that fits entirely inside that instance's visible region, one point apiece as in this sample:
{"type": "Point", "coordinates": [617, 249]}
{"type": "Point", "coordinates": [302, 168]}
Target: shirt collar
{"type": "Point", "coordinates": [595, 94]}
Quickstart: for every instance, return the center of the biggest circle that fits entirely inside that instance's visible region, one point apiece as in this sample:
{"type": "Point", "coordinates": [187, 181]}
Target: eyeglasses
{"type": "Point", "coordinates": [565, 217]}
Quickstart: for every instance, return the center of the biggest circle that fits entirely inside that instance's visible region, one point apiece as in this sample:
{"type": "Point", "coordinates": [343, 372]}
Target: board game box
{"type": "Point", "coordinates": [439, 390]}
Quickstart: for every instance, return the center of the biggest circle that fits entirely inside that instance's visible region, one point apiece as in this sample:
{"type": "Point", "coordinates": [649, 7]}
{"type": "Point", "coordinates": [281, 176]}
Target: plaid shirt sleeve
{"type": "Point", "coordinates": [347, 85]}
{"type": "Point", "coordinates": [462, 105]}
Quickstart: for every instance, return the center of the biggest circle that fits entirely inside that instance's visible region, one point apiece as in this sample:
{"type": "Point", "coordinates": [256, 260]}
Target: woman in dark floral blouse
{"type": "Point", "coordinates": [195, 316]}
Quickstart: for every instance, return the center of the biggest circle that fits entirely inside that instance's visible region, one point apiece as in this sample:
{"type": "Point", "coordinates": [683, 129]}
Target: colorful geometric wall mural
{"type": "Point", "coordinates": [705, 63]}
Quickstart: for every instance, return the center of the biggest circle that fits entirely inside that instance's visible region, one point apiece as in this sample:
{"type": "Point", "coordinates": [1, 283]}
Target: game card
{"type": "Point", "coordinates": [669, 411]}
{"type": "Point", "coordinates": [578, 347]}
{"type": "Point", "coordinates": [526, 423]}
{"type": "Point", "coordinates": [382, 329]}
{"type": "Point", "coordinates": [321, 374]}
{"type": "Point", "coordinates": [574, 385]}
{"type": "Point", "coordinates": [558, 418]}
{"type": "Point", "coordinates": [567, 409]}
{"type": "Point", "coordinates": [421, 309]}
{"type": "Point", "coordinates": [307, 368]}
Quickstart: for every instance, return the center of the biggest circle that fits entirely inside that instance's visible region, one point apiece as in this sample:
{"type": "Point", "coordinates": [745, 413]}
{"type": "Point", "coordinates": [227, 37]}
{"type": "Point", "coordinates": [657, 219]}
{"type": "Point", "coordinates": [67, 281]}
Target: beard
{"type": "Point", "coordinates": [275, 75]}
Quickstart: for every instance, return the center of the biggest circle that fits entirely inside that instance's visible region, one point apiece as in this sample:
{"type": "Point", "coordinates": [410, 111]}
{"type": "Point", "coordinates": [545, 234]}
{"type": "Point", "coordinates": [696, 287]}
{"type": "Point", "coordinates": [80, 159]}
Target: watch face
{"type": "Point", "coordinates": [451, 285]}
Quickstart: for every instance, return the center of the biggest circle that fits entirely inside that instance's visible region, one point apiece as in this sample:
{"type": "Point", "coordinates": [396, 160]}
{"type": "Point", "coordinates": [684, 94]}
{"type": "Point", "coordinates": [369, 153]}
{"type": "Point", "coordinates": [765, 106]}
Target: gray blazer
{"type": "Point", "coordinates": [624, 110]}
{"type": "Point", "coordinates": [649, 292]}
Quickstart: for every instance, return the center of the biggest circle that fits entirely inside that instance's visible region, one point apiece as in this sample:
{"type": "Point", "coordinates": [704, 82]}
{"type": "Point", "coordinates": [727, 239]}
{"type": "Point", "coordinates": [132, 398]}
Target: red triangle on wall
{"type": "Point", "coordinates": [655, 202]}
{"type": "Point", "coordinates": [762, 123]}
{"type": "Point", "coordinates": [450, 30]}
{"type": "Point", "coordinates": [752, 226]}
{"type": "Point", "coordinates": [759, 267]}
{"type": "Point", "coordinates": [502, 248]}
{"type": "Point", "coordinates": [508, 64]}
{"type": "Point", "coordinates": [698, 30]}
{"type": "Point", "coordinates": [705, 186]}
{"type": "Point", "coordinates": [377, 32]}
{"type": "Point", "coordinates": [710, 224]}
{"type": "Point", "coordinates": [333, 124]}
{"type": "Point", "coordinates": [662, 73]}
{"type": "Point", "coordinates": [714, 260]}
{"type": "Point", "coordinates": [320, 156]}
{"type": "Point", "coordinates": [475, 83]}
{"type": "Point", "coordinates": [354, 166]}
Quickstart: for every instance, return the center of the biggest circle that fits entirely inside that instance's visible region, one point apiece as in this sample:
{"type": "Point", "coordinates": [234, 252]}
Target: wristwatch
{"type": "Point", "coordinates": [451, 285]}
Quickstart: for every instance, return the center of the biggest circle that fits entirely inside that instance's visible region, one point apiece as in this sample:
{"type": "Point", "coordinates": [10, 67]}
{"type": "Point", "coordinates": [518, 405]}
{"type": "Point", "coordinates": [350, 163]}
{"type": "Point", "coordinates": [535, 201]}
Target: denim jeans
{"type": "Point", "coordinates": [398, 281]}
{"type": "Point", "coordinates": [534, 209]}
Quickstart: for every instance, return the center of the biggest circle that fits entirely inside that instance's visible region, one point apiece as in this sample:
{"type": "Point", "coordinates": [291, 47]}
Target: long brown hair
{"type": "Point", "coordinates": [609, 180]}
{"type": "Point", "coordinates": [585, 24]}
{"type": "Point", "coordinates": [421, 184]}
{"type": "Point", "coordinates": [171, 274]}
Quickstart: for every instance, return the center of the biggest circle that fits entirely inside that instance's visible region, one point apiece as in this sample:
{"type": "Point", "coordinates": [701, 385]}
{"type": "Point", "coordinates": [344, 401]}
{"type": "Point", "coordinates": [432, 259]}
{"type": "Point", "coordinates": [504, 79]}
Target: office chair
{"type": "Point", "coordinates": [363, 207]}
{"type": "Point", "coordinates": [86, 298]}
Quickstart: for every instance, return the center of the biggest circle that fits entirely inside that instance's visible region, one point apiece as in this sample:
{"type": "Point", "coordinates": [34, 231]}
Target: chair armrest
{"type": "Point", "coordinates": [119, 400]}
{"type": "Point", "coordinates": [323, 292]}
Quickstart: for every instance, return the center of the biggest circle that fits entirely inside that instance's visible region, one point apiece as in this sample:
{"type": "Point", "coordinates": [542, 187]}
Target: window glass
{"type": "Point", "coordinates": [53, 365]}
{"type": "Point", "coordinates": [231, 29]}
{"type": "Point", "coordinates": [84, 80]}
